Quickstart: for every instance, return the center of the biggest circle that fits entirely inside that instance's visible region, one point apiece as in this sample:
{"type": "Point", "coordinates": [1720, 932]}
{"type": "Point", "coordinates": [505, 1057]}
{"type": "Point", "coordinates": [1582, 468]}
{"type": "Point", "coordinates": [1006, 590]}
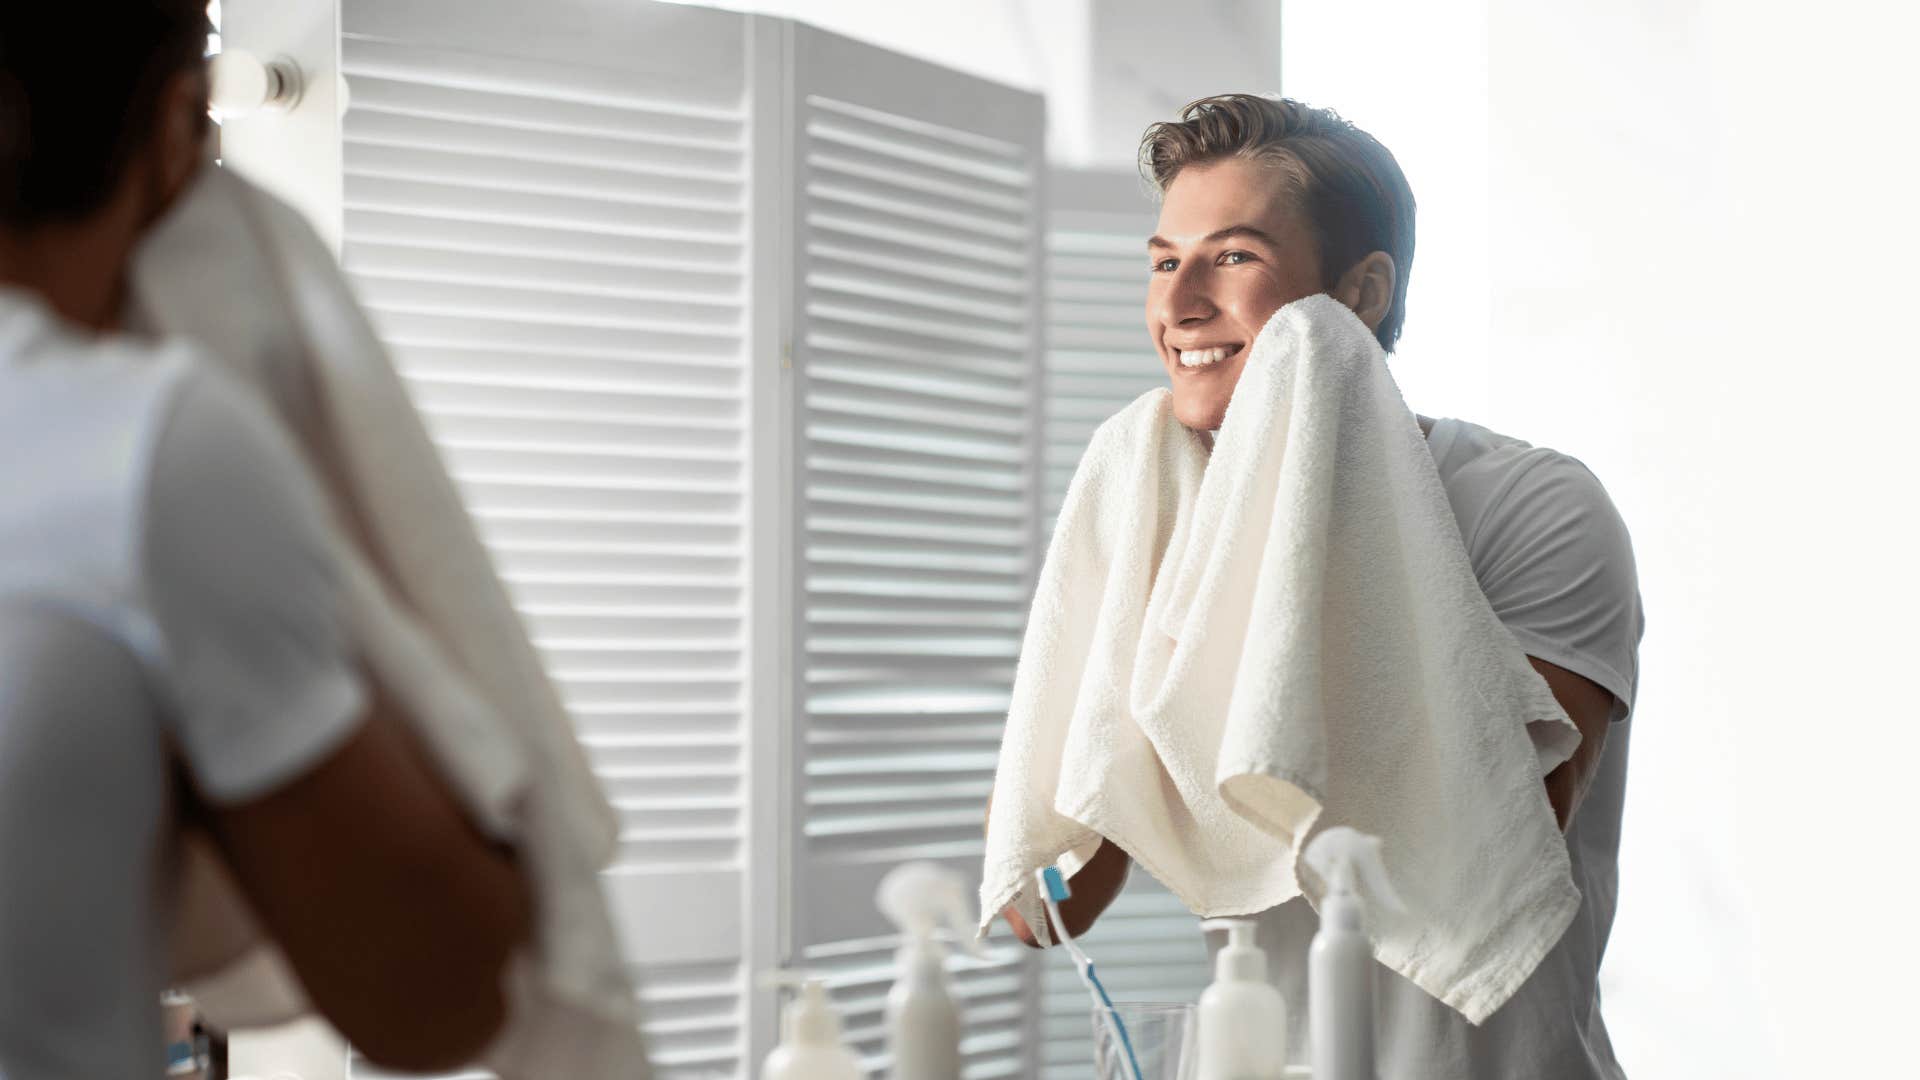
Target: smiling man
{"type": "Point", "coordinates": [1266, 201]}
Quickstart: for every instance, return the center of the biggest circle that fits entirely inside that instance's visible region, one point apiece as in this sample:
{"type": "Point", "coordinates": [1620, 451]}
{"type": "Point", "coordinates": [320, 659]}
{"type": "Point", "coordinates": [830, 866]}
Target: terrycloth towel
{"type": "Point", "coordinates": [243, 275]}
{"type": "Point", "coordinates": [1228, 653]}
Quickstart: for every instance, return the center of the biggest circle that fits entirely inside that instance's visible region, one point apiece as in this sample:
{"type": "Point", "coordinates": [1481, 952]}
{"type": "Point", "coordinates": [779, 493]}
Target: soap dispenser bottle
{"type": "Point", "coordinates": [1243, 1018]}
{"type": "Point", "coordinates": [923, 1022]}
{"type": "Point", "coordinates": [810, 1047]}
{"type": "Point", "coordinates": [1340, 960]}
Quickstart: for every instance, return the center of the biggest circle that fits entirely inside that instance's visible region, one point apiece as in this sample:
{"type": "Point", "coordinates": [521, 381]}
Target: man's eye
{"type": "Point", "coordinates": [1165, 266]}
{"type": "Point", "coordinates": [1235, 258]}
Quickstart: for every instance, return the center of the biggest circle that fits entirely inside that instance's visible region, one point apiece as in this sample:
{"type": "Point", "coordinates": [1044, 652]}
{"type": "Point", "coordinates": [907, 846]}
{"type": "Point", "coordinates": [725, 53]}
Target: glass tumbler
{"type": "Point", "coordinates": [1144, 1041]}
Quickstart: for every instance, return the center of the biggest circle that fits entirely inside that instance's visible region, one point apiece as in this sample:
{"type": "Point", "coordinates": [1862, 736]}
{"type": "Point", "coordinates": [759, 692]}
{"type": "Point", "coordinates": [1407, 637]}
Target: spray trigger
{"type": "Point", "coordinates": [1340, 853]}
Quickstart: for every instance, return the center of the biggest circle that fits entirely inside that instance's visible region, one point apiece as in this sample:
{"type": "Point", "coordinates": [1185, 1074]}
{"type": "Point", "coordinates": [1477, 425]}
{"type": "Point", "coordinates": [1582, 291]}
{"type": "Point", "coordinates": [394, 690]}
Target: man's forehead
{"type": "Point", "coordinates": [1208, 203]}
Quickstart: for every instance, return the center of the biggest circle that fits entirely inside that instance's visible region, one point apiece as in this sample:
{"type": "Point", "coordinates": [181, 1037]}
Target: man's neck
{"type": "Point", "coordinates": [78, 269]}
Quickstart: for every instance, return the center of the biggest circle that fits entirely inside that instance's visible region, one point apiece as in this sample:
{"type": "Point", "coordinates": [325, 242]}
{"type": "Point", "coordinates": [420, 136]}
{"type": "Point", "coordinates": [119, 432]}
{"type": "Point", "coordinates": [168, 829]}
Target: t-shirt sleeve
{"type": "Point", "coordinates": [1557, 565]}
{"type": "Point", "coordinates": [260, 680]}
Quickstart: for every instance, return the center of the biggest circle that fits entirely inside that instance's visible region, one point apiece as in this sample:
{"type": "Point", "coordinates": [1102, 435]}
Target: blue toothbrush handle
{"type": "Point", "coordinates": [1119, 1025]}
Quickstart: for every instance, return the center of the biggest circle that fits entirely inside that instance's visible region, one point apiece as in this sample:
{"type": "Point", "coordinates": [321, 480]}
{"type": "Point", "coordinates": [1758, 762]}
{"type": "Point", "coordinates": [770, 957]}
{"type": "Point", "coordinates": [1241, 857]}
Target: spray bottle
{"type": "Point", "coordinates": [1243, 1018]}
{"type": "Point", "coordinates": [810, 1047]}
{"type": "Point", "coordinates": [1340, 961]}
{"type": "Point", "coordinates": [923, 1023]}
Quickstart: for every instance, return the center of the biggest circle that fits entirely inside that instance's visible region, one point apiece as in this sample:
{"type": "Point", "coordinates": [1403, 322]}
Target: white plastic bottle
{"type": "Point", "coordinates": [1243, 1018]}
{"type": "Point", "coordinates": [923, 1021]}
{"type": "Point", "coordinates": [1340, 960]}
{"type": "Point", "coordinates": [810, 1047]}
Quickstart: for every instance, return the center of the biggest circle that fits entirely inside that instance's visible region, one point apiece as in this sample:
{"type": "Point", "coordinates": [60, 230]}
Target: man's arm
{"type": "Point", "coordinates": [395, 912]}
{"type": "Point", "coordinates": [1590, 708]}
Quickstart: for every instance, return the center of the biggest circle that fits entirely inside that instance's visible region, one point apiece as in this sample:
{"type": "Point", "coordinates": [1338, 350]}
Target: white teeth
{"type": "Point", "coordinates": [1203, 357]}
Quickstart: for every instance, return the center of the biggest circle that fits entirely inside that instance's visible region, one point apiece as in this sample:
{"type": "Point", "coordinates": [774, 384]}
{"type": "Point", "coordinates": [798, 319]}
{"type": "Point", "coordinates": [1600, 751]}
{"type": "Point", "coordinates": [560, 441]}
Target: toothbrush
{"type": "Point", "coordinates": [1053, 889]}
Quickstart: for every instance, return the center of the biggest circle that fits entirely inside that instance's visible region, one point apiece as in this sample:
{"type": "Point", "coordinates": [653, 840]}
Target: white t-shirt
{"type": "Point", "coordinates": [162, 560]}
{"type": "Point", "coordinates": [1556, 563]}
{"type": "Point", "coordinates": [154, 499]}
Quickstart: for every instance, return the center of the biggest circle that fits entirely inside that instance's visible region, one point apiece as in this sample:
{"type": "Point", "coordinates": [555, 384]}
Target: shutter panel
{"type": "Point", "coordinates": [916, 353]}
{"type": "Point", "coordinates": [1148, 945]}
{"type": "Point", "coordinates": [546, 212]}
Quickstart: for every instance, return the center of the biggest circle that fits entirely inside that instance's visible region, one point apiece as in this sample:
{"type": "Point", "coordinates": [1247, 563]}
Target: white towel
{"type": "Point", "coordinates": [243, 275]}
{"type": "Point", "coordinates": [1225, 654]}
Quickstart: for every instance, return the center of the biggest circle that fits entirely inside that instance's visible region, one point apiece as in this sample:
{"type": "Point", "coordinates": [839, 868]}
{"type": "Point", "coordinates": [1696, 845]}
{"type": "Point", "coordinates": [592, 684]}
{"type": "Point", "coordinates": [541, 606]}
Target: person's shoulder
{"type": "Point", "coordinates": [220, 444]}
{"type": "Point", "coordinates": [82, 413]}
{"type": "Point", "coordinates": [50, 364]}
{"type": "Point", "coordinates": [1494, 478]}
{"type": "Point", "coordinates": [1491, 457]}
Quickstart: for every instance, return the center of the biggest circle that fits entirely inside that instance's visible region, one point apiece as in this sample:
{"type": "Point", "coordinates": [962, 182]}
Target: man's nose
{"type": "Point", "coordinates": [1185, 300]}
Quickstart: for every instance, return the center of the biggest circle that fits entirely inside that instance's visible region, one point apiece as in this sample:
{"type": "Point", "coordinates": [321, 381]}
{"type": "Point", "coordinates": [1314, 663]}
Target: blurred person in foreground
{"type": "Point", "coordinates": [172, 645]}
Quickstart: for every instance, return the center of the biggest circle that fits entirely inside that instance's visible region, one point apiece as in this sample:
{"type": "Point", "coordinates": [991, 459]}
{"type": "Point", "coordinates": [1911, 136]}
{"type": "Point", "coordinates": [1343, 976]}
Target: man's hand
{"type": "Point", "coordinates": [1589, 705]}
{"type": "Point", "coordinates": [1094, 889]}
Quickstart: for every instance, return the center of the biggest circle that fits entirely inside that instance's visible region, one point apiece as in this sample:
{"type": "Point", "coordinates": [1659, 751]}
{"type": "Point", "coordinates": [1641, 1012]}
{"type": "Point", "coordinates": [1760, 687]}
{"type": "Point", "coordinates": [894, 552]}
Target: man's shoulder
{"type": "Point", "coordinates": [1479, 449]}
{"type": "Point", "coordinates": [1487, 474]}
{"type": "Point", "coordinates": [73, 401]}
{"type": "Point", "coordinates": [83, 417]}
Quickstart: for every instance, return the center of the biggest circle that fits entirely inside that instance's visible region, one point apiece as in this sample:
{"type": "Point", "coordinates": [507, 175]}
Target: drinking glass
{"type": "Point", "coordinates": [1158, 1042]}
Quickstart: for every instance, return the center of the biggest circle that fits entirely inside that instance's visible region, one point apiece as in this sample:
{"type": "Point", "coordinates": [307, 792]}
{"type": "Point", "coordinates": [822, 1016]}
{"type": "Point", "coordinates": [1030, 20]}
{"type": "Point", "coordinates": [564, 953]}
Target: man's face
{"type": "Point", "coordinates": [1229, 251]}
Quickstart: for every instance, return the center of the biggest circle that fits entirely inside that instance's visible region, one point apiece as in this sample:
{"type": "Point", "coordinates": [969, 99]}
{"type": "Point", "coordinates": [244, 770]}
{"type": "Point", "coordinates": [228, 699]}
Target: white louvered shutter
{"type": "Point", "coordinates": [917, 329]}
{"type": "Point", "coordinates": [1099, 359]}
{"type": "Point", "coordinates": [545, 208]}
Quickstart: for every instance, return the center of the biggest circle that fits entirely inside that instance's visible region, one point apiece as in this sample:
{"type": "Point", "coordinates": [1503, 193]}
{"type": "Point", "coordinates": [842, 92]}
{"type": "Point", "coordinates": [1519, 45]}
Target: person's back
{"type": "Point", "coordinates": [80, 745]}
{"type": "Point", "coordinates": [101, 633]}
{"type": "Point", "coordinates": [172, 610]}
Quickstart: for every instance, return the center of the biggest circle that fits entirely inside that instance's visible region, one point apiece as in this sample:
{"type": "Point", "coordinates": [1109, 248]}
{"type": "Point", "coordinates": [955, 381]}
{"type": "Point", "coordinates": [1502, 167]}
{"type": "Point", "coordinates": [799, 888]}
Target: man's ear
{"type": "Point", "coordinates": [1367, 288]}
{"type": "Point", "coordinates": [179, 145]}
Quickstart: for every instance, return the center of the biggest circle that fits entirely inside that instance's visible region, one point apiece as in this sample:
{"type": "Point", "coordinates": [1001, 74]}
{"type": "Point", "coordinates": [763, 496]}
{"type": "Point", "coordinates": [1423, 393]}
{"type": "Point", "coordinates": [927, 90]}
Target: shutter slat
{"type": "Point", "coordinates": [476, 328]}
{"type": "Point", "coordinates": [426, 260]}
{"type": "Point", "coordinates": [431, 227]}
{"type": "Point", "coordinates": [373, 191]}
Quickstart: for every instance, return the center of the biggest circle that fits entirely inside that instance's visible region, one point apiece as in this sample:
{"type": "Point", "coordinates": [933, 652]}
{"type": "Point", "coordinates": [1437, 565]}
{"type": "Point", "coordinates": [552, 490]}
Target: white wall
{"type": "Point", "coordinates": [1107, 67]}
{"type": "Point", "coordinates": [1697, 272]}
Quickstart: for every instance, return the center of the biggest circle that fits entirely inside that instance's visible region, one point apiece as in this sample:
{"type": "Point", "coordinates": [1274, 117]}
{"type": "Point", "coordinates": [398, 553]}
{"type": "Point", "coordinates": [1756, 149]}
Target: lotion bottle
{"type": "Point", "coordinates": [810, 1046]}
{"type": "Point", "coordinates": [1243, 1018]}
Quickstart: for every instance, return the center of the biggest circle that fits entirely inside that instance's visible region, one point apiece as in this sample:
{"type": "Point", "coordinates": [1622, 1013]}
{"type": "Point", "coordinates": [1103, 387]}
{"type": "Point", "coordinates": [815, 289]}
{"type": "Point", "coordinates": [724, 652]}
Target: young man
{"type": "Point", "coordinates": [172, 648]}
{"type": "Point", "coordinates": [1264, 202]}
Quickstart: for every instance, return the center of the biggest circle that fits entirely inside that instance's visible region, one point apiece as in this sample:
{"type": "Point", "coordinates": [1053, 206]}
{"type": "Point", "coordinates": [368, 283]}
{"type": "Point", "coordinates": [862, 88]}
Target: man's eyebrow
{"type": "Point", "coordinates": [1221, 234]}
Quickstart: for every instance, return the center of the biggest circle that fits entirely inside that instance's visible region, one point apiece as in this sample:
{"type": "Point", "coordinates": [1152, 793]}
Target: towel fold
{"type": "Point", "coordinates": [246, 278]}
{"type": "Point", "coordinates": [1228, 653]}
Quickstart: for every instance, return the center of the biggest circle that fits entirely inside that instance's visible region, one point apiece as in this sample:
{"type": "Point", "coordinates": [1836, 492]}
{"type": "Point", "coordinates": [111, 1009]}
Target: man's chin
{"type": "Point", "coordinates": [1199, 415]}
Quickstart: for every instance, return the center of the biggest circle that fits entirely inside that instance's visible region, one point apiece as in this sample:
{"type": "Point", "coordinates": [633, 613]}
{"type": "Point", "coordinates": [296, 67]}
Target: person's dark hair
{"type": "Point", "coordinates": [80, 84]}
{"type": "Point", "coordinates": [1342, 180]}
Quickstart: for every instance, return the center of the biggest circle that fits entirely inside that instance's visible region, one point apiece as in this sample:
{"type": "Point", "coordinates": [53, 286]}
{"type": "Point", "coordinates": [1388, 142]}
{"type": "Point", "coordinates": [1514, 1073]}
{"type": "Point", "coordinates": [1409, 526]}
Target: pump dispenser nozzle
{"type": "Point", "coordinates": [809, 1018]}
{"type": "Point", "coordinates": [810, 1047]}
{"type": "Point", "coordinates": [1242, 958]}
